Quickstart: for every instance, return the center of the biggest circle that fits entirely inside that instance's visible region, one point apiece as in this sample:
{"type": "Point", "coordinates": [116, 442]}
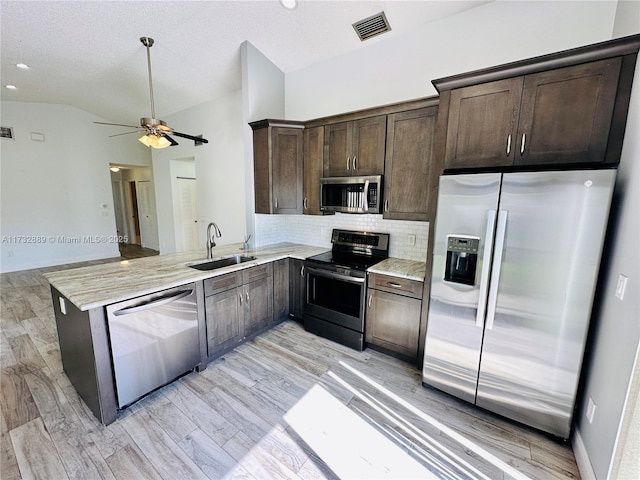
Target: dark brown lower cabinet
{"type": "Point", "coordinates": [393, 315]}
{"type": "Point", "coordinates": [281, 290]}
{"type": "Point", "coordinates": [237, 305]}
{"type": "Point", "coordinates": [296, 288]}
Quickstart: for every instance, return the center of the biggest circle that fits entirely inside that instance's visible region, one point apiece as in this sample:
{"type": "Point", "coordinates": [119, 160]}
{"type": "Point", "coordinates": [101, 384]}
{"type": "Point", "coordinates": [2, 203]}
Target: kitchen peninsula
{"type": "Point", "coordinates": [82, 298]}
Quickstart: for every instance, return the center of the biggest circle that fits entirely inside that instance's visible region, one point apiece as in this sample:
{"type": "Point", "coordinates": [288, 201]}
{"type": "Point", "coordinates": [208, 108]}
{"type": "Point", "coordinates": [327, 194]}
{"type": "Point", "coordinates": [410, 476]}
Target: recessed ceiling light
{"type": "Point", "coordinates": [114, 169]}
{"type": "Point", "coordinates": [23, 66]}
{"type": "Point", "coordinates": [11, 87]}
{"type": "Point", "coordinates": [289, 4]}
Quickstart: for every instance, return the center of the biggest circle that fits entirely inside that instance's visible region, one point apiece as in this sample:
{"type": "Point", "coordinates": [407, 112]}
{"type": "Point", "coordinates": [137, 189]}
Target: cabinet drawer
{"type": "Point", "coordinates": [256, 273]}
{"type": "Point", "coordinates": [401, 286]}
{"type": "Point", "coordinates": [223, 282]}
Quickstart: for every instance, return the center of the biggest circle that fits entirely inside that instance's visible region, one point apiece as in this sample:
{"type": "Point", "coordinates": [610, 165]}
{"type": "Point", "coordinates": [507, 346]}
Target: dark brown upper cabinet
{"type": "Point", "coordinates": [567, 108]}
{"type": "Point", "coordinates": [408, 162]}
{"type": "Point", "coordinates": [313, 154]}
{"type": "Point", "coordinates": [277, 166]}
{"type": "Point", "coordinates": [355, 148]}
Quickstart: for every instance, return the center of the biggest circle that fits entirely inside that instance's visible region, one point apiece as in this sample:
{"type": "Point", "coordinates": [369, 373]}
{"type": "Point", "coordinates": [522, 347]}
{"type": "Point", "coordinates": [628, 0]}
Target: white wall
{"type": "Point", "coordinates": [612, 441]}
{"type": "Point", "coordinates": [262, 97]}
{"type": "Point", "coordinates": [402, 67]}
{"type": "Point", "coordinates": [59, 190]}
{"type": "Point", "coordinates": [220, 170]}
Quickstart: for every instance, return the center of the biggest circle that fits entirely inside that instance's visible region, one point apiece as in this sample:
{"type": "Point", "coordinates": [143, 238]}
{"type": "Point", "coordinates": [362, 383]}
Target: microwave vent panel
{"type": "Point", "coordinates": [372, 26]}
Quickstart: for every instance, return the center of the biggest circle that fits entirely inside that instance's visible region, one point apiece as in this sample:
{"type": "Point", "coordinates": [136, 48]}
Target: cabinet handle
{"type": "Point", "coordinates": [524, 137]}
{"type": "Point", "coordinates": [246, 295]}
{"type": "Point", "coordinates": [370, 299]}
{"type": "Point", "coordinates": [394, 284]}
{"type": "Point", "coordinates": [508, 145]}
{"type": "Point", "coordinates": [348, 159]}
{"type": "Point", "coordinates": [386, 205]}
{"type": "Point", "coordinates": [302, 271]}
{"type": "Point", "coordinates": [240, 296]}
{"type": "Point", "coordinates": [355, 162]}
{"type": "Point", "coordinates": [276, 203]}
{"type": "Point", "coordinates": [305, 203]}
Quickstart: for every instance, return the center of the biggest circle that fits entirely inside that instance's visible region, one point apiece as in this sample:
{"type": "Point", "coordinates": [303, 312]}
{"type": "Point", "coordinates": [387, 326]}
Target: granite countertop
{"type": "Point", "coordinates": [402, 268]}
{"type": "Point", "coordinates": [99, 285]}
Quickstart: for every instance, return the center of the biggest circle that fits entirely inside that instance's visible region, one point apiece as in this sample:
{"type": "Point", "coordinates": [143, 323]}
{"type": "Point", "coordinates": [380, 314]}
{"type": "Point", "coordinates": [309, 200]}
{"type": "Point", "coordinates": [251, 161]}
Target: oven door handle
{"type": "Point", "coordinates": [337, 276]}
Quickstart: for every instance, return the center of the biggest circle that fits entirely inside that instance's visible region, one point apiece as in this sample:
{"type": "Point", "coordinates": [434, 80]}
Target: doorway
{"type": "Point", "coordinates": [135, 216]}
{"type": "Point", "coordinates": [187, 226]}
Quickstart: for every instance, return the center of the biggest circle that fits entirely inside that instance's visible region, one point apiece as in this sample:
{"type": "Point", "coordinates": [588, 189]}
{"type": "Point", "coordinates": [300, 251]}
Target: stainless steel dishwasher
{"type": "Point", "coordinates": [154, 339]}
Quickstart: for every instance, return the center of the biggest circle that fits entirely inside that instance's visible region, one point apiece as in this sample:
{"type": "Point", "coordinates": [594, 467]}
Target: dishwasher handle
{"type": "Point", "coordinates": [148, 305]}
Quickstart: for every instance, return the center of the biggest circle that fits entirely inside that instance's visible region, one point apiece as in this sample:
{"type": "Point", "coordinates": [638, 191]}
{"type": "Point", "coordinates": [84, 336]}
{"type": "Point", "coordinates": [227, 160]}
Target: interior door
{"type": "Point", "coordinates": [147, 215]}
{"type": "Point", "coordinates": [542, 283]}
{"type": "Point", "coordinates": [188, 214]}
{"type": "Point", "coordinates": [466, 210]}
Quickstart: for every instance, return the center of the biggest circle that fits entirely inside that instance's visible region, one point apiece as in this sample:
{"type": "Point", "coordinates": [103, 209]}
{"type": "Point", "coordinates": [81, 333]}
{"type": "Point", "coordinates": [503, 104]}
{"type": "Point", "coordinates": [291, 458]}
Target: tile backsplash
{"type": "Point", "coordinates": [316, 230]}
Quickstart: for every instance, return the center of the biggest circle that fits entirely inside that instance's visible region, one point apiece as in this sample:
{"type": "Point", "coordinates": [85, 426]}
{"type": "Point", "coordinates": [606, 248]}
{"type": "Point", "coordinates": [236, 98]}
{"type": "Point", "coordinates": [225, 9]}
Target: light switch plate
{"type": "Point", "coordinates": [621, 286]}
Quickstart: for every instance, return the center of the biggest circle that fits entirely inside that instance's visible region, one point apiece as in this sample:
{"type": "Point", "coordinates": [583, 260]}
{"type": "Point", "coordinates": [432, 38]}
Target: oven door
{"type": "Point", "coordinates": [335, 298]}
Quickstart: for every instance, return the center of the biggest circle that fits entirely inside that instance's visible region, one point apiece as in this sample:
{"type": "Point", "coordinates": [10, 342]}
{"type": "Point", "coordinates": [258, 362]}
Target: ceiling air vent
{"type": "Point", "coordinates": [6, 132]}
{"type": "Point", "coordinates": [372, 26]}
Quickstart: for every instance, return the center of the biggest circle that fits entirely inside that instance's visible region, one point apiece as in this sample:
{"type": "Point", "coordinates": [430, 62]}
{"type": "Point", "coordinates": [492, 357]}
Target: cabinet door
{"type": "Point", "coordinates": [224, 313]}
{"type": "Point", "coordinates": [368, 146]}
{"type": "Point", "coordinates": [566, 114]}
{"type": "Point", "coordinates": [408, 159]}
{"type": "Point", "coordinates": [258, 297]}
{"type": "Point", "coordinates": [280, 289]}
{"type": "Point", "coordinates": [337, 151]}
{"type": "Point", "coordinates": [297, 287]}
{"type": "Point", "coordinates": [393, 322]}
{"type": "Point", "coordinates": [287, 170]}
{"type": "Point", "coordinates": [481, 129]}
{"type": "Point", "coordinates": [312, 169]}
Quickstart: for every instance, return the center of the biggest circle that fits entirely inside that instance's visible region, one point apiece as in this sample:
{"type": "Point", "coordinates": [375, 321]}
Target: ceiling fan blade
{"type": "Point", "coordinates": [118, 125]}
{"type": "Point", "coordinates": [191, 137]}
{"type": "Point", "coordinates": [173, 142]}
{"type": "Point", "coordinates": [125, 133]}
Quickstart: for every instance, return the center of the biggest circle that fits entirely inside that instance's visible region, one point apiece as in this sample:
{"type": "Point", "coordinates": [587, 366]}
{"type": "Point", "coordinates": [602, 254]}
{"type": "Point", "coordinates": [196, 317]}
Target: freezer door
{"type": "Point", "coordinates": [461, 254]}
{"type": "Point", "coordinates": [549, 239]}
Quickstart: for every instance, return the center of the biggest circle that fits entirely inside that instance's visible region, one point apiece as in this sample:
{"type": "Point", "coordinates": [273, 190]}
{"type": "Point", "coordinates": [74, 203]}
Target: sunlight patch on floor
{"type": "Point", "coordinates": [464, 442]}
{"type": "Point", "coordinates": [350, 446]}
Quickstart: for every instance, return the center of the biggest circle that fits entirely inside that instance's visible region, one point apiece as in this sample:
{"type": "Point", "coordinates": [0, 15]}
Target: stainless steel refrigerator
{"type": "Point", "coordinates": [516, 259]}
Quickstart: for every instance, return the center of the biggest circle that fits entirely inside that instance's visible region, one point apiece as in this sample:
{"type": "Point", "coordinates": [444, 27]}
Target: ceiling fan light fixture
{"type": "Point", "coordinates": [154, 141]}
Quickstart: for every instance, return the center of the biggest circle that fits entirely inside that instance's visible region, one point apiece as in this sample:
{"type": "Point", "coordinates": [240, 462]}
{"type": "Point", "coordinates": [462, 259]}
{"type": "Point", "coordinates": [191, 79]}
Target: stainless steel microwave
{"type": "Point", "coordinates": [351, 194]}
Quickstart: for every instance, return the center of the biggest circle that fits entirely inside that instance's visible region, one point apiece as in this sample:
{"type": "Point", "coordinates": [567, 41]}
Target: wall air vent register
{"type": "Point", "coordinates": [6, 132]}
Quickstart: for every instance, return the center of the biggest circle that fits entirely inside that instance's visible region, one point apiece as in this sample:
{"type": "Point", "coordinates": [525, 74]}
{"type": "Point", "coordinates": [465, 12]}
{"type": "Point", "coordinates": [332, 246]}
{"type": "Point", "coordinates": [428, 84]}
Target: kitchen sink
{"type": "Point", "coordinates": [220, 262]}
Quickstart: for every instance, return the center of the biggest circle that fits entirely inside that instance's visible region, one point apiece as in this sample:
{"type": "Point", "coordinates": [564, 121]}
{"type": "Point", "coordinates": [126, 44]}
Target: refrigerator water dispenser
{"type": "Point", "coordinates": [462, 257]}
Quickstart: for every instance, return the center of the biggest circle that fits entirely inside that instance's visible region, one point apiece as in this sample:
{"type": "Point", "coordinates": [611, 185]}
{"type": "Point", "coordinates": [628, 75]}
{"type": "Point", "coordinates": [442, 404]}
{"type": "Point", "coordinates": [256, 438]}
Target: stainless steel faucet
{"type": "Point", "coordinates": [211, 242]}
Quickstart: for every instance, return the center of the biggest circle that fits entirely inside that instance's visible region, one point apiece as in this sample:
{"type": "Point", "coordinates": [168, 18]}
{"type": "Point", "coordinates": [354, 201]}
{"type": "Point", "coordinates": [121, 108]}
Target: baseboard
{"type": "Point", "coordinates": [582, 457]}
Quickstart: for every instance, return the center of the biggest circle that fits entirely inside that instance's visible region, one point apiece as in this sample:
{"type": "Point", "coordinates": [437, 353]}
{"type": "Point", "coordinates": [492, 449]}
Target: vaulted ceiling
{"type": "Point", "coordinates": [87, 54]}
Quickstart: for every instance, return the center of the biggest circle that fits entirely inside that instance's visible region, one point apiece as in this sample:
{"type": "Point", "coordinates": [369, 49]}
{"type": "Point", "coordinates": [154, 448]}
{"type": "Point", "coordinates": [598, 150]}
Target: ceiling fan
{"type": "Point", "coordinates": [156, 131]}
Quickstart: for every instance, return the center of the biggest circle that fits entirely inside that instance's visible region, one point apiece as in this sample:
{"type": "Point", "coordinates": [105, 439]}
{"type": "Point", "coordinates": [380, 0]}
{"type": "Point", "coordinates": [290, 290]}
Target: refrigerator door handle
{"type": "Point", "coordinates": [486, 261]}
{"type": "Point", "coordinates": [495, 268]}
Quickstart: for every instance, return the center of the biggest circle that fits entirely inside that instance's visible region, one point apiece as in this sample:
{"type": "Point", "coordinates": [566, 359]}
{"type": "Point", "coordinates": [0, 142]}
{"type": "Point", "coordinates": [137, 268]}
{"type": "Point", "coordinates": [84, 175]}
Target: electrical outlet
{"type": "Point", "coordinates": [591, 410]}
{"type": "Point", "coordinates": [63, 306]}
{"type": "Point", "coordinates": [621, 286]}
{"type": "Point", "coordinates": [411, 240]}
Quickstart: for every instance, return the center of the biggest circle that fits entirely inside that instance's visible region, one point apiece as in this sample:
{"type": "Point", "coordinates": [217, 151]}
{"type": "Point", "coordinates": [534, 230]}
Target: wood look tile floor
{"type": "Point", "coordinates": [287, 404]}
